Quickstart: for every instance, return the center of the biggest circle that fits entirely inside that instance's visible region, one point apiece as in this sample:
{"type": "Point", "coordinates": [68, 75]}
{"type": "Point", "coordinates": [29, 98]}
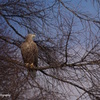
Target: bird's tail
{"type": "Point", "coordinates": [32, 73]}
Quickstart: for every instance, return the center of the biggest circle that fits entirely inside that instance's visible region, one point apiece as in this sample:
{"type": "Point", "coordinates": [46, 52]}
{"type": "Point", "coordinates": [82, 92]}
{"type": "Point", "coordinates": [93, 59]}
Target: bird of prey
{"type": "Point", "coordinates": [29, 52]}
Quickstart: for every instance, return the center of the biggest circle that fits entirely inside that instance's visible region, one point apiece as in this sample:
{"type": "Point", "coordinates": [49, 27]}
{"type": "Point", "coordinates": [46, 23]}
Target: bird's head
{"type": "Point", "coordinates": [30, 37]}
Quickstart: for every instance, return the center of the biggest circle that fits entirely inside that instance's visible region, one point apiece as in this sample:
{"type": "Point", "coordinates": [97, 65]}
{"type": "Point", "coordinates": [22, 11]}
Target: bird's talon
{"type": "Point", "coordinates": [31, 65]}
{"type": "Point", "coordinates": [26, 64]}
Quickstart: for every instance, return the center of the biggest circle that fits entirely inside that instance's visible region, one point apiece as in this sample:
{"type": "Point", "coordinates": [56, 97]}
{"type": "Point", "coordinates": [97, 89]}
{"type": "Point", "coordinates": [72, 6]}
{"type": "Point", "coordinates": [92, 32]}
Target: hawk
{"type": "Point", "coordinates": [29, 52]}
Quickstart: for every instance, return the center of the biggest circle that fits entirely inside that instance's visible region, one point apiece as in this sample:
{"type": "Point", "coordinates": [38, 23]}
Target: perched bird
{"type": "Point", "coordinates": [29, 52]}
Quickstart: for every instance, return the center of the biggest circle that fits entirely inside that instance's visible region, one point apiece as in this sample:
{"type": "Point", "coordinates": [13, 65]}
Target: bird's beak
{"type": "Point", "coordinates": [33, 35]}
